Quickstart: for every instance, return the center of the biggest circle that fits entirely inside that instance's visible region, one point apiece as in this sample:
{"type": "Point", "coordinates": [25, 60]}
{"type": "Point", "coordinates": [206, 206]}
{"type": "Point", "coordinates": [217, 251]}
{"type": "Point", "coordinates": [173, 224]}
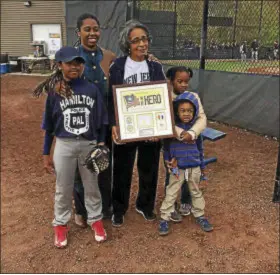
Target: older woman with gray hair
{"type": "Point", "coordinates": [133, 68]}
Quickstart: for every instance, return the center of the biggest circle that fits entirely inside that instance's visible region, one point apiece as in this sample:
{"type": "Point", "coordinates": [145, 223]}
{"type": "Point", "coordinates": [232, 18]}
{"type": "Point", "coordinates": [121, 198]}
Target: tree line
{"type": "Point", "coordinates": [251, 19]}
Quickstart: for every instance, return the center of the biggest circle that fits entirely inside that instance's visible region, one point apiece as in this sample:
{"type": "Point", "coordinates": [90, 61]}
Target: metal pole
{"type": "Point", "coordinates": [133, 9]}
{"type": "Point", "coordinates": [260, 22]}
{"type": "Point", "coordinates": [175, 30]}
{"type": "Point", "coordinates": [204, 35]}
{"type": "Point", "coordinates": [66, 22]}
{"type": "Point", "coordinates": [203, 50]}
{"type": "Point", "coordinates": [234, 26]}
{"type": "Point", "coordinates": [128, 10]}
{"type": "Point", "coordinates": [131, 4]}
{"type": "Point", "coordinates": [276, 194]}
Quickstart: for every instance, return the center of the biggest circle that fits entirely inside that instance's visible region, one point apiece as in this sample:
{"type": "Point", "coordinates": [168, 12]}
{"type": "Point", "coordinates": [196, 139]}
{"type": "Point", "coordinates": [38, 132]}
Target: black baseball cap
{"type": "Point", "coordinates": [67, 54]}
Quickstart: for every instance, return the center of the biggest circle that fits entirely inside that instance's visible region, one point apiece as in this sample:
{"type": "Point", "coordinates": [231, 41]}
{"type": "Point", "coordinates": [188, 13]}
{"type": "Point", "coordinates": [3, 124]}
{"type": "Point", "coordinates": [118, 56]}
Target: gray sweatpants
{"type": "Point", "coordinates": [68, 153]}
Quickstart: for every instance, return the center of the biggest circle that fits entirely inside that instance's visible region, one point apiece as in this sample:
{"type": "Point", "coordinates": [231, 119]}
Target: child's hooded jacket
{"type": "Point", "coordinates": [188, 155]}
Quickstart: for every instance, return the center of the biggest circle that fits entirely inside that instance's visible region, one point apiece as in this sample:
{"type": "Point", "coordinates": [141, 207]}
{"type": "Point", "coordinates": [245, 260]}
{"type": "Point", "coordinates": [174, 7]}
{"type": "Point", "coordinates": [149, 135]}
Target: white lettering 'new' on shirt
{"type": "Point", "coordinates": [136, 72]}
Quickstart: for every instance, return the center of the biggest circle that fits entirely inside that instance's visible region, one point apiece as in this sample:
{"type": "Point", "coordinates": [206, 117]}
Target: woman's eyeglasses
{"type": "Point", "coordinates": [137, 40]}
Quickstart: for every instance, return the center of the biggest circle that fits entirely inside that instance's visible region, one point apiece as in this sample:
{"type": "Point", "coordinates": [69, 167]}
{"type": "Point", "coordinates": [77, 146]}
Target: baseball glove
{"type": "Point", "coordinates": [98, 159]}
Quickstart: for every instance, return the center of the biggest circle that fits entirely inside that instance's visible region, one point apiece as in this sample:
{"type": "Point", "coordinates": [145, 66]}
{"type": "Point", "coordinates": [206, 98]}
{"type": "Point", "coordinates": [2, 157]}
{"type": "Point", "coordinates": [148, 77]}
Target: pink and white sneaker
{"type": "Point", "coordinates": [100, 233]}
{"type": "Point", "coordinates": [60, 232]}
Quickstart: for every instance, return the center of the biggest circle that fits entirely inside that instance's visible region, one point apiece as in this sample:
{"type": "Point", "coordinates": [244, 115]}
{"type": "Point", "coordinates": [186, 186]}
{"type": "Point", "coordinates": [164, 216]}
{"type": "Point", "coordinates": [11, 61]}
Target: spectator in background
{"type": "Point", "coordinates": [243, 51]}
{"type": "Point", "coordinates": [219, 46]}
{"type": "Point", "coordinates": [235, 49]}
{"type": "Point", "coordinates": [186, 44]}
{"type": "Point", "coordinates": [235, 45]}
{"type": "Point", "coordinates": [228, 45]}
{"type": "Point", "coordinates": [275, 50]}
{"type": "Point", "coordinates": [254, 50]}
{"type": "Point", "coordinates": [212, 44]}
{"type": "Point", "coordinates": [190, 44]}
{"type": "Point", "coordinates": [197, 50]}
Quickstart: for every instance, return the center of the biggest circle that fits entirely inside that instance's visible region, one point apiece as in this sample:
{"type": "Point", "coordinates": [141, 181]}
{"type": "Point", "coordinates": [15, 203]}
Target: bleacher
{"type": "Point", "coordinates": [212, 135]}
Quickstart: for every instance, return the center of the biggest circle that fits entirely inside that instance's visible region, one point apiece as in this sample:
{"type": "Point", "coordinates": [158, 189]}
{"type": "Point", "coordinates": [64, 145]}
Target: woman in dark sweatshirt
{"type": "Point", "coordinates": [134, 68]}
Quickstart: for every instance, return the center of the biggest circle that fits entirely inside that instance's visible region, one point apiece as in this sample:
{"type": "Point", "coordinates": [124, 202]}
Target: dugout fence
{"type": "Point", "coordinates": [241, 35]}
{"type": "Point", "coordinates": [238, 85]}
{"type": "Point", "coordinates": [206, 35]}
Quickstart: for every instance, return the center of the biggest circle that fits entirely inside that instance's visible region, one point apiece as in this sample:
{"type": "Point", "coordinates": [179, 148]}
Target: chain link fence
{"type": "Point", "coordinates": [242, 35]}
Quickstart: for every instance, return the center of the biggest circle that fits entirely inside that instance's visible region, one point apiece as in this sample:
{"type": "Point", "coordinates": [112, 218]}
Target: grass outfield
{"type": "Point", "coordinates": [227, 65]}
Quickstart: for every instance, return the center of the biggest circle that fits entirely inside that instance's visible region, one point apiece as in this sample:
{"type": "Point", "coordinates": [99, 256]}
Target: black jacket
{"type": "Point", "coordinates": [116, 77]}
{"type": "Point", "coordinates": [254, 46]}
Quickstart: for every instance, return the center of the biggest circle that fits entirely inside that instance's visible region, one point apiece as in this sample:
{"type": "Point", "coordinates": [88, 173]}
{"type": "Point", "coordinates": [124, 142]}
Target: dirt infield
{"type": "Point", "coordinates": [265, 70]}
{"type": "Point", "coordinates": [238, 203]}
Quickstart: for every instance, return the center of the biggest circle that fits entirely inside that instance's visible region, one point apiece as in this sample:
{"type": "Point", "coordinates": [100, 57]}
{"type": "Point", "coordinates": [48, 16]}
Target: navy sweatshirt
{"type": "Point", "coordinates": [82, 114]}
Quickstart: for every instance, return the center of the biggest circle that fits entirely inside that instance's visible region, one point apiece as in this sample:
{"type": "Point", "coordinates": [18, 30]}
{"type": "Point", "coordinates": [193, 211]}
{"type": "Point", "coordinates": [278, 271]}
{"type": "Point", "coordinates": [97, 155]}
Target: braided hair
{"type": "Point", "coordinates": [54, 83]}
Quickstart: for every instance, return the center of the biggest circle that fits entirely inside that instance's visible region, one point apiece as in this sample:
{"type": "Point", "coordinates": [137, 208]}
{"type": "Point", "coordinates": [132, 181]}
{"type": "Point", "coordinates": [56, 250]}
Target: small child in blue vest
{"type": "Point", "coordinates": [185, 162]}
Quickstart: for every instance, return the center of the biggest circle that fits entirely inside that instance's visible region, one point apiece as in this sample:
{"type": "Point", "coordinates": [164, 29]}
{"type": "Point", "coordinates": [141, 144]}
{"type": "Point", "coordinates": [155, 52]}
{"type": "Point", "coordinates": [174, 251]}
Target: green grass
{"type": "Point", "coordinates": [226, 66]}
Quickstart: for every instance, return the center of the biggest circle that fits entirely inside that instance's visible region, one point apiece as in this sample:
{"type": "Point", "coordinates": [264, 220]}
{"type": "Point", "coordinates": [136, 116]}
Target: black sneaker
{"type": "Point", "coordinates": [147, 216]}
{"type": "Point", "coordinates": [176, 217]}
{"type": "Point", "coordinates": [107, 214]}
{"type": "Point", "coordinates": [117, 220]}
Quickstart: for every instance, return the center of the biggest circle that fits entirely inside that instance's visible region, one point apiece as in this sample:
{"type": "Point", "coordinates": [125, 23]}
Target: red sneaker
{"type": "Point", "coordinates": [60, 232]}
{"type": "Point", "coordinates": [100, 233]}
